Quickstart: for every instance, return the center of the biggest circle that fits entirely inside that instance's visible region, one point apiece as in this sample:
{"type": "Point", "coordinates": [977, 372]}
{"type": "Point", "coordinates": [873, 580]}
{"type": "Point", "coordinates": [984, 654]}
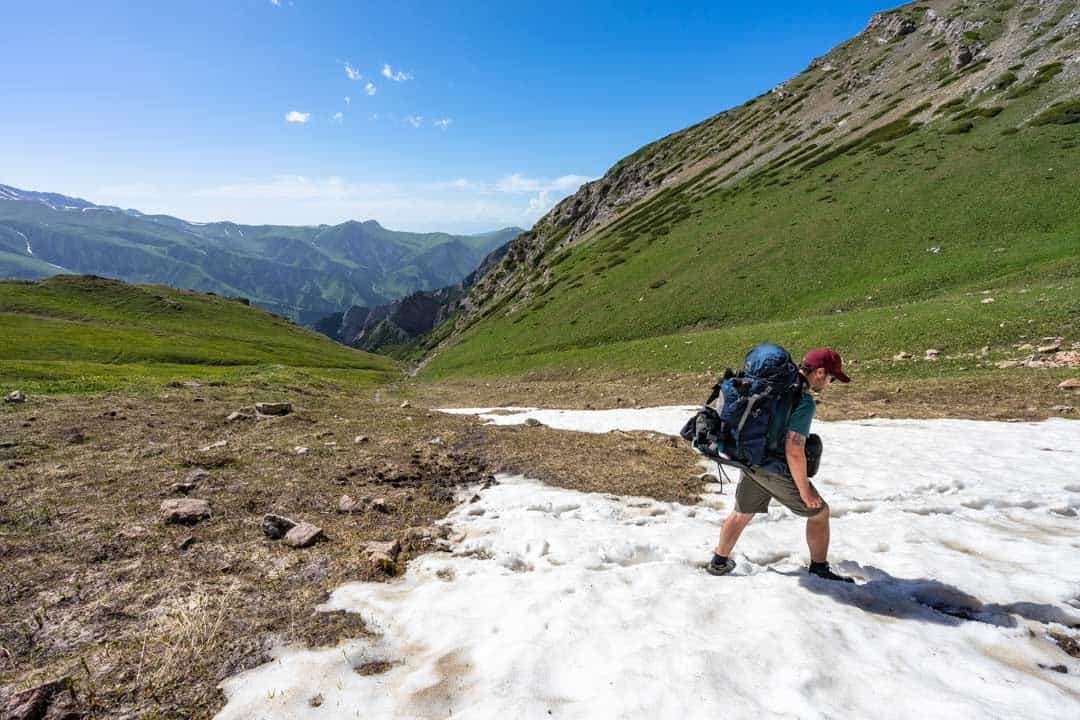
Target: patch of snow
{"type": "Point", "coordinates": [29, 250]}
{"type": "Point", "coordinates": [668, 420]}
{"type": "Point", "coordinates": [240, 231]}
{"type": "Point", "coordinates": [553, 602]}
{"type": "Point", "coordinates": [47, 203]}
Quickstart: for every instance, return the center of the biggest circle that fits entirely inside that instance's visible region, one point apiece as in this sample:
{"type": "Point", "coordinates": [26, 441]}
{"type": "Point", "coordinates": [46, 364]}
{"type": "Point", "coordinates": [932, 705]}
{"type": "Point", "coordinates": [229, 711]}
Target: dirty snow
{"type": "Point", "coordinates": [555, 603]}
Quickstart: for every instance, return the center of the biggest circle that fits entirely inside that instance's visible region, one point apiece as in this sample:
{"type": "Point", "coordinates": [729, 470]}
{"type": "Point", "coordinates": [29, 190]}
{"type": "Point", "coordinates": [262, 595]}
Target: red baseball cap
{"type": "Point", "coordinates": [826, 358]}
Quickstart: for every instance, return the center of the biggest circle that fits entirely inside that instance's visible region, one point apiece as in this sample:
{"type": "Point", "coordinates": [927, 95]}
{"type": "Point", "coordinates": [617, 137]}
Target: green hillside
{"type": "Point", "coordinates": [946, 220]}
{"type": "Point", "coordinates": [83, 333]}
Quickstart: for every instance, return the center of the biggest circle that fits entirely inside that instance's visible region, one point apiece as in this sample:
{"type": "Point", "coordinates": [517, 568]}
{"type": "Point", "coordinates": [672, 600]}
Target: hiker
{"type": "Point", "coordinates": [783, 472]}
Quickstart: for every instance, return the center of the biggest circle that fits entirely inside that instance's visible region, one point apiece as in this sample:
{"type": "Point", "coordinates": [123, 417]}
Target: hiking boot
{"type": "Point", "coordinates": [822, 571]}
{"type": "Point", "coordinates": [719, 565]}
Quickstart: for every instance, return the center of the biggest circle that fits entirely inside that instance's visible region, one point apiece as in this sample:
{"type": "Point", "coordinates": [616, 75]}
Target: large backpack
{"type": "Point", "coordinates": [736, 435]}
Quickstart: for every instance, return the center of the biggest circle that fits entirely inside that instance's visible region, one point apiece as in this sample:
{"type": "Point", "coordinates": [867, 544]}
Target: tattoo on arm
{"type": "Point", "coordinates": [796, 439]}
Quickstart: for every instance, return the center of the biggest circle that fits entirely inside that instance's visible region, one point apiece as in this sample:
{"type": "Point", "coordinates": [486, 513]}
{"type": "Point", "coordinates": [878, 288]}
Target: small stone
{"type": "Point", "coordinates": [53, 700]}
{"type": "Point", "coordinates": [382, 554]}
{"type": "Point", "coordinates": [932, 354]}
{"type": "Point", "coordinates": [185, 511]}
{"type": "Point", "coordinates": [196, 475]}
{"type": "Point", "coordinates": [16, 396]}
{"type": "Point", "coordinates": [133, 532]}
{"type": "Point", "coordinates": [987, 301]}
{"type": "Point", "coordinates": [183, 487]}
{"type": "Point", "coordinates": [303, 535]}
{"type": "Point", "coordinates": [300, 450]}
{"type": "Point", "coordinates": [185, 543]}
{"type": "Point", "coordinates": [237, 416]}
{"type": "Point", "coordinates": [347, 504]}
{"type": "Point", "coordinates": [1070, 384]}
{"type": "Point", "coordinates": [74, 436]}
{"type": "Point", "coordinates": [361, 439]}
{"type": "Point", "coordinates": [380, 505]}
{"type": "Point", "coordinates": [214, 446]}
{"type": "Point", "coordinates": [1062, 408]}
{"type": "Point", "coordinates": [406, 404]}
{"type": "Point", "coordinates": [902, 356]}
{"type": "Point", "coordinates": [275, 526]}
{"type": "Point", "coordinates": [1005, 364]}
{"type": "Point", "coordinates": [533, 422]}
{"type": "Point", "coordinates": [1024, 347]}
{"type": "Point", "coordinates": [1049, 347]}
{"type": "Point", "coordinates": [315, 700]}
{"type": "Point", "coordinates": [273, 408]}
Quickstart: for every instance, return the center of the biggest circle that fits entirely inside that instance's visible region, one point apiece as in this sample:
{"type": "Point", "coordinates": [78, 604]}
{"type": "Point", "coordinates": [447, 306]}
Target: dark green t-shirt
{"type": "Point", "coordinates": [782, 422]}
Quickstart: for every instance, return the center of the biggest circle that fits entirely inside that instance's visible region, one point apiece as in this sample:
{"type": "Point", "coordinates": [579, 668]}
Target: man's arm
{"type": "Point", "coordinates": [795, 449]}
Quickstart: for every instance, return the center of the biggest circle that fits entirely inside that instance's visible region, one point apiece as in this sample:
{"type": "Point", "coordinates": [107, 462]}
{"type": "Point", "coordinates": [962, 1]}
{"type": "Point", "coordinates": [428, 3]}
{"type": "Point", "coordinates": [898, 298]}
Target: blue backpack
{"type": "Point", "coordinates": [737, 434]}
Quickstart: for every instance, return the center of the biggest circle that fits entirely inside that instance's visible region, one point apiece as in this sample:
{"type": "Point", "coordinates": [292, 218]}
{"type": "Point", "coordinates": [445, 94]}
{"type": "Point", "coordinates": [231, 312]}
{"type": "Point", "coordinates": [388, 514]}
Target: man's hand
{"type": "Point", "coordinates": [810, 497]}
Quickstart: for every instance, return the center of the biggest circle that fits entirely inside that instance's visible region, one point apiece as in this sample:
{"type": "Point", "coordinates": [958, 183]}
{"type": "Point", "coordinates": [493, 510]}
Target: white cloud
{"type": "Point", "coordinates": [352, 73]}
{"type": "Point", "coordinates": [518, 183]}
{"type": "Point", "coordinates": [370, 88]}
{"type": "Point", "coordinates": [347, 100]}
{"type": "Point", "coordinates": [373, 116]}
{"type": "Point", "coordinates": [539, 204]}
{"type": "Point", "coordinates": [338, 116]}
{"type": "Point", "coordinates": [275, 3]}
{"type": "Point", "coordinates": [442, 123]}
{"type": "Point", "coordinates": [399, 76]}
{"type": "Point", "coordinates": [297, 117]}
{"type": "Point", "coordinates": [415, 120]}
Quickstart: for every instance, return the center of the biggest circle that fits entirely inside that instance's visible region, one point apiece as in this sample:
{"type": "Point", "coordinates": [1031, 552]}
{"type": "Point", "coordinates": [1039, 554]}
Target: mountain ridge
{"type": "Point", "coordinates": [304, 272]}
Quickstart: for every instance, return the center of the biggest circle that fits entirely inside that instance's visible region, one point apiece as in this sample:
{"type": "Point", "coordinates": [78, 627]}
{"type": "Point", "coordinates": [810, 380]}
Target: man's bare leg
{"type": "Point", "coordinates": [732, 529]}
{"type": "Point", "coordinates": [817, 536]}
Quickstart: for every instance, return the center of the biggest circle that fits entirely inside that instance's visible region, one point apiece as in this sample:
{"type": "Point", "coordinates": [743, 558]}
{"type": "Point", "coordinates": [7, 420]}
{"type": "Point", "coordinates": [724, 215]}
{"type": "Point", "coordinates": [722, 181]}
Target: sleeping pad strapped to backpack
{"type": "Point", "coordinates": [751, 398]}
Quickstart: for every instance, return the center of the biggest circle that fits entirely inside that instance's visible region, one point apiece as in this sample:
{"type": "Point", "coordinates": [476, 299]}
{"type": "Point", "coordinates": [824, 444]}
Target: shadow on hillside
{"type": "Point", "coordinates": [928, 600]}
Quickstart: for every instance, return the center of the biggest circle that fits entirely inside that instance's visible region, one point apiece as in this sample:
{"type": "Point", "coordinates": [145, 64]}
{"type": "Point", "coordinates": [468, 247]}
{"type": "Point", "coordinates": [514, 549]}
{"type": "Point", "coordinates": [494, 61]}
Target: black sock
{"type": "Point", "coordinates": [818, 566]}
{"type": "Point", "coordinates": [719, 559]}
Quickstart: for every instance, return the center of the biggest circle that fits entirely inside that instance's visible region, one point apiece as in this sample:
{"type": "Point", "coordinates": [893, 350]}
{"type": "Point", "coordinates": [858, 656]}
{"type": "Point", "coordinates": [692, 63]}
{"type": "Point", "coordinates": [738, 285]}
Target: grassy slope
{"type": "Point", "coordinates": [71, 333]}
{"type": "Point", "coordinates": [838, 253]}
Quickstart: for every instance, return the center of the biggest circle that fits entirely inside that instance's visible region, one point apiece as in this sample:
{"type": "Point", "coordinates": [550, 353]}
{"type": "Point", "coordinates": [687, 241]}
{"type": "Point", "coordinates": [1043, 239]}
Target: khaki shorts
{"type": "Point", "coordinates": [758, 487]}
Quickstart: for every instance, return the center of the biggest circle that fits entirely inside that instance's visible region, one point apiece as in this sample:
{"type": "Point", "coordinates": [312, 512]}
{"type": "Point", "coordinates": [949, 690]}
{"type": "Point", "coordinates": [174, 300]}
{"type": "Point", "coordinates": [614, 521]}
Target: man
{"type": "Point", "coordinates": [783, 473]}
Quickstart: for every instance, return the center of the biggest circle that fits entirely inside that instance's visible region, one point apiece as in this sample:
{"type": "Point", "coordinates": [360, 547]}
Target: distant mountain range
{"type": "Point", "coordinates": [302, 272]}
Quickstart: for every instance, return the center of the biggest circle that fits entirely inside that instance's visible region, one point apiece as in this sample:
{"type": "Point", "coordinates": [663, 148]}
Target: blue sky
{"type": "Point", "coordinates": [460, 116]}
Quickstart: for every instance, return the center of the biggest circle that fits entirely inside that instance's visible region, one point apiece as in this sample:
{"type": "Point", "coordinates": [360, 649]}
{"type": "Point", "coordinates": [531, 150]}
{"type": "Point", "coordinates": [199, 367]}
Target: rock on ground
{"type": "Point", "coordinates": [185, 511]}
{"type": "Point", "coordinates": [16, 396]}
{"type": "Point", "coordinates": [51, 701]}
{"type": "Point", "coordinates": [275, 526]}
{"type": "Point", "coordinates": [273, 408]}
{"type": "Point", "coordinates": [303, 535]}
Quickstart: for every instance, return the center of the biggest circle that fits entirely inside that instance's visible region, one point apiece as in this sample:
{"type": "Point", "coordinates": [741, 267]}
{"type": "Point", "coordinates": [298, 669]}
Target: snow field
{"type": "Point", "coordinates": [555, 603]}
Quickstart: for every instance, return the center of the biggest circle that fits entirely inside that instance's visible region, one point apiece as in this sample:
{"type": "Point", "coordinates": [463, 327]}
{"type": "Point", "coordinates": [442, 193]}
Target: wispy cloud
{"type": "Point", "coordinates": [442, 123]}
{"type": "Point", "coordinates": [294, 116]}
{"type": "Point", "coordinates": [518, 183]}
{"type": "Point", "coordinates": [415, 120]}
{"type": "Point", "coordinates": [347, 100]}
{"type": "Point", "coordinates": [369, 88]}
{"type": "Point", "coordinates": [338, 116]}
{"type": "Point", "coordinates": [399, 76]}
{"type": "Point", "coordinates": [351, 72]}
{"type": "Point", "coordinates": [275, 3]}
{"type": "Point", "coordinates": [454, 205]}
